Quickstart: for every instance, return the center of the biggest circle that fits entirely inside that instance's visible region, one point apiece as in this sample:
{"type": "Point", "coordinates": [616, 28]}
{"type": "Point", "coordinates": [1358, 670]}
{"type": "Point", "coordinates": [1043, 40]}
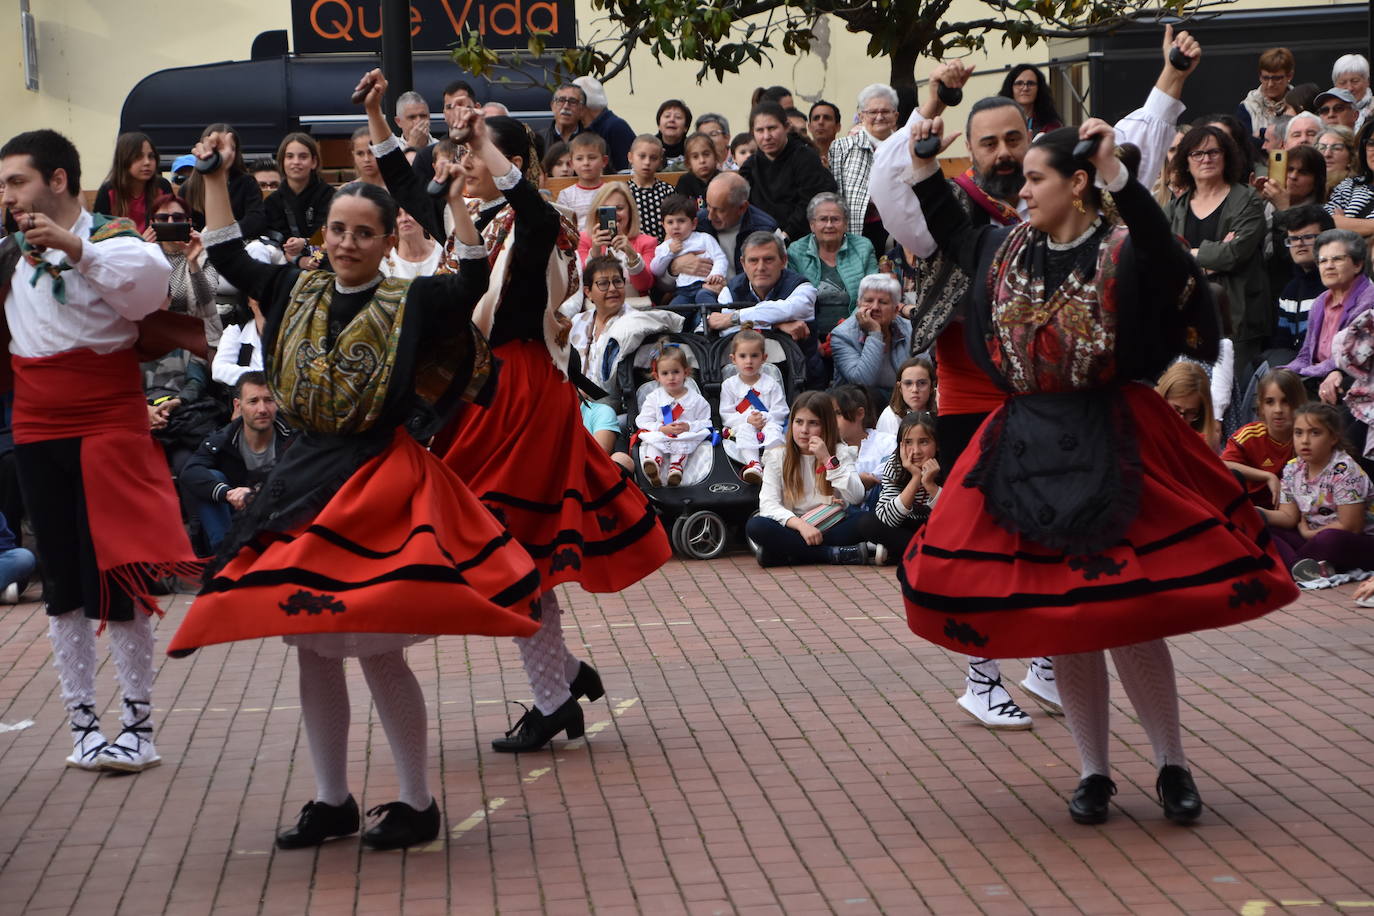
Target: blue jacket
{"type": "Point", "coordinates": [755, 220]}
{"type": "Point", "coordinates": [619, 137]}
{"type": "Point", "coordinates": [859, 357]}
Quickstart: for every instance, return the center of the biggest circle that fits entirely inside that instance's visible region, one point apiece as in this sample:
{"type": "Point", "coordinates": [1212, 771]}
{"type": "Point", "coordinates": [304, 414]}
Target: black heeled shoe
{"type": "Point", "coordinates": [534, 730]}
{"type": "Point", "coordinates": [1178, 794]}
{"type": "Point", "coordinates": [319, 822]}
{"type": "Point", "coordinates": [401, 825]}
{"type": "Point", "coordinates": [587, 684]}
{"type": "Point", "coordinates": [1089, 804]}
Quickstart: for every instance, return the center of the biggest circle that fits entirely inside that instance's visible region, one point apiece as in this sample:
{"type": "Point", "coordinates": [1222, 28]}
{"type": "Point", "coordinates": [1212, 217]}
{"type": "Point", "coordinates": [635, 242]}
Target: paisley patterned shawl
{"type": "Point", "coordinates": [1061, 339]}
{"type": "Point", "coordinates": [341, 389]}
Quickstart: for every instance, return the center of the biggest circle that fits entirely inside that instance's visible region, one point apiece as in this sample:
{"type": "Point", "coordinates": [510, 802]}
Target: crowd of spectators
{"type": "Point", "coordinates": [687, 227]}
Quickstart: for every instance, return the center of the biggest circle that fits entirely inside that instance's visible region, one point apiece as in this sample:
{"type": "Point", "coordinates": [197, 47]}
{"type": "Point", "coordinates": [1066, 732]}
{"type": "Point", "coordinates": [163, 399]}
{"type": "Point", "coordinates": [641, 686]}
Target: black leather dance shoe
{"type": "Point", "coordinates": [401, 825]}
{"type": "Point", "coordinates": [319, 822]}
{"type": "Point", "coordinates": [587, 684]}
{"type": "Point", "coordinates": [1090, 800]}
{"type": "Point", "coordinates": [1178, 794]}
{"type": "Point", "coordinates": [534, 730]}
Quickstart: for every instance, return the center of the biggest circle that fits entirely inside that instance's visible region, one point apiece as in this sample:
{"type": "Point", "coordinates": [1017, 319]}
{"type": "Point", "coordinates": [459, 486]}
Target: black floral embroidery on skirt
{"type": "Point", "coordinates": [311, 603]}
{"type": "Point", "coordinates": [965, 633]}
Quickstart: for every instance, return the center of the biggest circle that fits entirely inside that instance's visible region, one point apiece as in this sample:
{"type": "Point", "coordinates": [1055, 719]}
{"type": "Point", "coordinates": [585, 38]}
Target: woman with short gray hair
{"type": "Point", "coordinates": [1341, 258]}
{"type": "Point", "coordinates": [833, 259]}
{"type": "Point", "coordinates": [871, 346]}
{"type": "Point", "coordinates": [1351, 73]}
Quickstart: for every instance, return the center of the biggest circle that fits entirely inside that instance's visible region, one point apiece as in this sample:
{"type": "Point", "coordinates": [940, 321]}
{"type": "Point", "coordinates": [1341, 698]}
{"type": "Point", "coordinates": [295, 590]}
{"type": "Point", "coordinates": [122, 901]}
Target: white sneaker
{"type": "Point", "coordinates": [87, 741]}
{"type": "Point", "coordinates": [133, 750]}
{"type": "Point", "coordinates": [988, 701]}
{"type": "Point", "coordinates": [877, 554]}
{"type": "Point", "coordinates": [11, 595]}
{"type": "Point", "coordinates": [1039, 682]}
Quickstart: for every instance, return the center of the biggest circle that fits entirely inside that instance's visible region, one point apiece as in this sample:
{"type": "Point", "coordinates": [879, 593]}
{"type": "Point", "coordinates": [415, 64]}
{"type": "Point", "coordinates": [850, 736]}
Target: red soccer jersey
{"type": "Point", "coordinates": [1252, 446]}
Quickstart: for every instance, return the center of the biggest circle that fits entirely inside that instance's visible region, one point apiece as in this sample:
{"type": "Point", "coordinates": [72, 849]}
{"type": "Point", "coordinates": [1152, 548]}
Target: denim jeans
{"type": "Point", "coordinates": [16, 565]}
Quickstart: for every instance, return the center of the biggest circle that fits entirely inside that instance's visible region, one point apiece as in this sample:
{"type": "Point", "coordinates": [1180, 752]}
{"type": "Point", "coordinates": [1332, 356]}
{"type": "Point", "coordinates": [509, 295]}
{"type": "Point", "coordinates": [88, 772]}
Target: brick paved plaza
{"type": "Point", "coordinates": [799, 754]}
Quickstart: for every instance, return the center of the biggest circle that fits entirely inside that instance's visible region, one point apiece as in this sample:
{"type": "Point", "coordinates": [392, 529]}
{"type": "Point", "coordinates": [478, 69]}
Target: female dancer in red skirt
{"type": "Point", "coordinates": [1089, 517]}
{"type": "Point", "coordinates": [525, 452]}
{"type": "Point", "coordinates": [359, 542]}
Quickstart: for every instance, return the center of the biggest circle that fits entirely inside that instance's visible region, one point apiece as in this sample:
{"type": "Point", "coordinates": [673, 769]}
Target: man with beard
{"type": "Point", "coordinates": [990, 191]}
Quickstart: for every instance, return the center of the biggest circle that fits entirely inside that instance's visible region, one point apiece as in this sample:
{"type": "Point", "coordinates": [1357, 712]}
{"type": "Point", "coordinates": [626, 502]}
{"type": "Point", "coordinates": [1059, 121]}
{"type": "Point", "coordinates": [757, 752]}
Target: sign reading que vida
{"type": "Point", "coordinates": [324, 26]}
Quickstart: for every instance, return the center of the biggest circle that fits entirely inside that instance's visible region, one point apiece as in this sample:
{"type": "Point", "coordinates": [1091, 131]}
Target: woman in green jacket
{"type": "Point", "coordinates": [833, 259]}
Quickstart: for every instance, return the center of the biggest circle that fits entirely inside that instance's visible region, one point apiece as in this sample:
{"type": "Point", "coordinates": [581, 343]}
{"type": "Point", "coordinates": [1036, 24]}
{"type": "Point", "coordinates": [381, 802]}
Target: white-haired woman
{"type": "Point", "coordinates": [1351, 73]}
{"type": "Point", "coordinates": [870, 346]}
{"type": "Point", "coordinates": [832, 258]}
{"type": "Point", "coordinates": [851, 159]}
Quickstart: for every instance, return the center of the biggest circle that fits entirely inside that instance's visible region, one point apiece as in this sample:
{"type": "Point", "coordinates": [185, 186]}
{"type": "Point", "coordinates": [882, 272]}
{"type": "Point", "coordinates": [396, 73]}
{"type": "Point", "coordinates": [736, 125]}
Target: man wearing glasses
{"type": "Point", "coordinates": [851, 160]}
{"type": "Point", "coordinates": [1300, 227]}
{"type": "Point", "coordinates": [1337, 106]}
{"type": "Point", "coordinates": [567, 105]}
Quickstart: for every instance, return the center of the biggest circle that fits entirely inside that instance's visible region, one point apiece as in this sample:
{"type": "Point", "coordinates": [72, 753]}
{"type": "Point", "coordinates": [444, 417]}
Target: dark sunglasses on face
{"type": "Point", "coordinates": [171, 218]}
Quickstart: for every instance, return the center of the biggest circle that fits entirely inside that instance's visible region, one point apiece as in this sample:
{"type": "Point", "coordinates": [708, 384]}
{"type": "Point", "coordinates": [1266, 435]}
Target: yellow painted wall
{"type": "Point", "coordinates": [92, 52]}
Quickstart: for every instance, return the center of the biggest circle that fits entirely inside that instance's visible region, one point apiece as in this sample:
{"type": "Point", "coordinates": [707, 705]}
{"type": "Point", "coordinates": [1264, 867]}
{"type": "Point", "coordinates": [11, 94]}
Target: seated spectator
{"type": "Point", "coordinates": [832, 259]}
{"type": "Point", "coordinates": [632, 247]}
{"type": "Point", "coordinates": [1305, 184]}
{"type": "Point", "coordinates": [798, 124]}
{"type": "Point", "coordinates": [1263, 105]}
{"type": "Point", "coordinates": [824, 121]}
{"type": "Point", "coordinates": [702, 166]}
{"type": "Point", "coordinates": [599, 420]}
{"type": "Point", "coordinates": [607, 329]}
{"type": "Point", "coordinates": [222, 475]}
{"type": "Point", "coordinates": [1188, 390]}
{"type": "Point", "coordinates": [718, 129]}
{"type": "Point", "coordinates": [742, 146]}
{"type": "Point", "coordinates": [673, 120]}
{"type": "Point", "coordinates": [133, 182]}
{"type": "Point", "coordinates": [589, 161]}
{"type": "Point", "coordinates": [177, 384]}
{"type": "Point", "coordinates": [557, 162]}
{"type": "Point", "coordinates": [1341, 258]}
{"type": "Point", "coordinates": [1351, 73]}
{"type": "Point", "coordinates": [266, 175]}
{"type": "Point", "coordinates": [1259, 451]}
{"type": "Point", "coordinates": [1026, 86]}
{"type": "Point", "coordinates": [1322, 524]}
{"type": "Point", "coordinates": [412, 122]}
{"type": "Point", "coordinates": [851, 160]}
{"type": "Point", "coordinates": [682, 237]}
{"type": "Point", "coordinates": [182, 167]}
{"type": "Point", "coordinates": [674, 419]}
{"type": "Point", "coordinates": [240, 347]}
{"type": "Point", "coordinates": [780, 95]}
{"type": "Point", "coordinates": [1336, 106]}
{"type": "Point", "coordinates": [599, 119]}
{"type": "Point", "coordinates": [855, 415]}
{"type": "Point", "coordinates": [16, 565]}
{"type": "Point", "coordinates": [1337, 146]}
{"type": "Point", "coordinates": [1300, 228]}
{"type": "Point", "coordinates": [646, 159]}
{"type": "Point", "coordinates": [910, 484]}
{"type": "Point", "coordinates": [753, 409]}
{"type": "Point", "coordinates": [871, 347]}
{"type": "Point", "coordinates": [807, 486]}
{"type": "Point", "coordinates": [769, 294]}
{"type": "Point", "coordinates": [364, 163]}
{"type": "Point", "coordinates": [785, 173]}
{"type": "Point", "coordinates": [298, 209]}
{"type": "Point", "coordinates": [1249, 150]}
{"type": "Point", "coordinates": [246, 191]}
{"type": "Point", "coordinates": [1303, 130]}
{"type": "Point", "coordinates": [567, 105]}
{"type": "Point", "coordinates": [1352, 201]}
{"type": "Point", "coordinates": [731, 218]}
{"type": "Point", "coordinates": [416, 254]}
{"type": "Point", "coordinates": [1222, 221]}
{"type": "Point", "coordinates": [915, 393]}
{"type": "Point", "coordinates": [457, 96]}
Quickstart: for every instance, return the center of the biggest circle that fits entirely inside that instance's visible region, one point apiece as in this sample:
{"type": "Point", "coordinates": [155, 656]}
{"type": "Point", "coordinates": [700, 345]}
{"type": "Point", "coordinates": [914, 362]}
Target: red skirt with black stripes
{"type": "Point", "coordinates": [528, 458]}
{"type": "Point", "coordinates": [1197, 556]}
{"type": "Point", "coordinates": [403, 547]}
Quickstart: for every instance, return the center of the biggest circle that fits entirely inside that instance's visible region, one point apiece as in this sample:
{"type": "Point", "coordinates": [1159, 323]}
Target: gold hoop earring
{"type": "Point", "coordinates": [1078, 205]}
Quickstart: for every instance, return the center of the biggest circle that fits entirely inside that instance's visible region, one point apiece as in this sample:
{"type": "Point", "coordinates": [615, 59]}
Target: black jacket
{"type": "Point", "coordinates": [297, 215]}
{"type": "Point", "coordinates": [220, 452]}
{"type": "Point", "coordinates": [782, 187]}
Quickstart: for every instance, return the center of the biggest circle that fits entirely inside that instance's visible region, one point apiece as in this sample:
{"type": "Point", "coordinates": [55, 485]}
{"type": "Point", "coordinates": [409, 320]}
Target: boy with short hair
{"type": "Point", "coordinates": [589, 159]}
{"type": "Point", "coordinates": [741, 148]}
{"type": "Point", "coordinates": [646, 158]}
{"type": "Point", "coordinates": [679, 225]}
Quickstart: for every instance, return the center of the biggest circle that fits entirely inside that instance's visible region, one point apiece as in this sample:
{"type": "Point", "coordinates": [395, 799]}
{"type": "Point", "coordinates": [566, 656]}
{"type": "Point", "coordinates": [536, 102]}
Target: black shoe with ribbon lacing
{"type": "Point", "coordinates": [534, 729]}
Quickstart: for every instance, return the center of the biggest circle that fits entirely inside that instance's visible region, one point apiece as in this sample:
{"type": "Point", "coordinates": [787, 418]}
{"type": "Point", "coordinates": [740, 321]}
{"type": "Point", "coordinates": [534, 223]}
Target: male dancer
{"type": "Point", "coordinates": [94, 482]}
{"type": "Point", "coordinates": [990, 191]}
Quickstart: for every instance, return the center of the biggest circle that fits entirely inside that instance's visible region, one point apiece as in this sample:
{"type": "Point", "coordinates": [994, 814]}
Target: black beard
{"type": "Point", "coordinates": [1002, 186]}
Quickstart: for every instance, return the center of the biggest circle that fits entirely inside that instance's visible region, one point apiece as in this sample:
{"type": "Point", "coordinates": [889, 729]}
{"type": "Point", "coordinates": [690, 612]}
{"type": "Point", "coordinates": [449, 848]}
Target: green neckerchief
{"type": "Point", "coordinates": [102, 228]}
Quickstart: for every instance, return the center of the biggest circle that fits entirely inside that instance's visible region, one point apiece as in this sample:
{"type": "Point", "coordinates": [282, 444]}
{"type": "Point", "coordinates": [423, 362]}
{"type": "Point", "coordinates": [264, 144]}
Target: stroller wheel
{"type": "Point", "coordinates": [701, 535]}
